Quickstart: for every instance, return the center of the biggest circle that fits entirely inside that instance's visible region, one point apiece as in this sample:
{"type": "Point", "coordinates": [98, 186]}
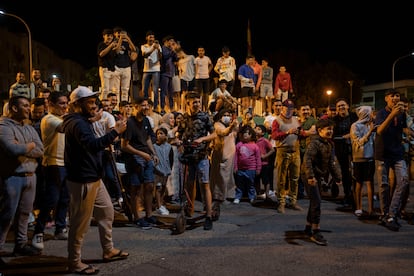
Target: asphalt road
{"type": "Point", "coordinates": [247, 240]}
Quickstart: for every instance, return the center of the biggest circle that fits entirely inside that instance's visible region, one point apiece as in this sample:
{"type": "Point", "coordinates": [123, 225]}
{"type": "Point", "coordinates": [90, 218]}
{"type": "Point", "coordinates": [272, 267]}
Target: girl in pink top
{"type": "Point", "coordinates": [247, 164]}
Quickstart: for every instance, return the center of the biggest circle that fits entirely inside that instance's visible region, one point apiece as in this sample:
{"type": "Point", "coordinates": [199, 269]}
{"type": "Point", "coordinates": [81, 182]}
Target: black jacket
{"type": "Point", "coordinates": [83, 150]}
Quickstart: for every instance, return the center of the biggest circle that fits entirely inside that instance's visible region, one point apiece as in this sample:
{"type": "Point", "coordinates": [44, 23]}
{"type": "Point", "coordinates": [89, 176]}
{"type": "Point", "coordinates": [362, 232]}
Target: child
{"type": "Point", "coordinates": [247, 164]}
{"type": "Point", "coordinates": [266, 150]}
{"type": "Point", "coordinates": [362, 141]}
{"type": "Point", "coordinates": [318, 161]}
{"type": "Point", "coordinates": [165, 154]}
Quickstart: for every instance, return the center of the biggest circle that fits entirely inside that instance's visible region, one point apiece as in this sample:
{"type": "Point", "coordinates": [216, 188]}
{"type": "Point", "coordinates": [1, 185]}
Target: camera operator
{"type": "Point", "coordinates": [124, 49]}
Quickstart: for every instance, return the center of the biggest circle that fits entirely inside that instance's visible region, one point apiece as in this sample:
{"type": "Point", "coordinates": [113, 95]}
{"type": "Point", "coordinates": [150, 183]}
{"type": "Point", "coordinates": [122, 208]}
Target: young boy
{"type": "Point", "coordinates": [162, 170]}
{"type": "Point", "coordinates": [318, 161]}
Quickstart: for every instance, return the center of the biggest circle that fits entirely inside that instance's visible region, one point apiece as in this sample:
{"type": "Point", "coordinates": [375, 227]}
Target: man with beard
{"type": "Point", "coordinates": [343, 150]}
{"type": "Point", "coordinates": [20, 146]}
{"type": "Point", "coordinates": [286, 130]}
{"type": "Point", "coordinates": [88, 195]}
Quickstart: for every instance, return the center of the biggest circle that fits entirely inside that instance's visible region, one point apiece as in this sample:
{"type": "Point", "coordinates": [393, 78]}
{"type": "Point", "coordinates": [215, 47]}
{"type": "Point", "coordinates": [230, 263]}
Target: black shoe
{"type": "Point", "coordinates": [318, 239]}
{"type": "Point", "coordinates": [208, 223]}
{"type": "Point", "coordinates": [143, 224]}
{"type": "Point", "coordinates": [392, 224]}
{"type": "Point", "coordinates": [26, 250]}
{"type": "Point", "coordinates": [382, 220]}
{"type": "Point", "coordinates": [151, 220]}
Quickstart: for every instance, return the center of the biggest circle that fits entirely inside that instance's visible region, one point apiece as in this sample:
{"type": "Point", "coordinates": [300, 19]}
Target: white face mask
{"type": "Point", "coordinates": [226, 120]}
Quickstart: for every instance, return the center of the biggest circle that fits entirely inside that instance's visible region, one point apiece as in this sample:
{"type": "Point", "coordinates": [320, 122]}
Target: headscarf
{"type": "Point", "coordinates": [364, 114]}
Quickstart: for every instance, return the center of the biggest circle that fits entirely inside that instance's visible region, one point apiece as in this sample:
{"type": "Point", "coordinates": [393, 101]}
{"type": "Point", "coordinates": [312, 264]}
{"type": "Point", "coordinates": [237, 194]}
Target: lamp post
{"type": "Point", "coordinates": [329, 93]}
{"type": "Point", "coordinates": [395, 62]}
{"type": "Point", "coordinates": [29, 37]}
{"type": "Point", "coordinates": [350, 82]}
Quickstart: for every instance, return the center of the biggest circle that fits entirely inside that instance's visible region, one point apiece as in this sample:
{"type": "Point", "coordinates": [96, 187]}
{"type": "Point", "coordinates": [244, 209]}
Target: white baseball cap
{"type": "Point", "coordinates": [81, 92]}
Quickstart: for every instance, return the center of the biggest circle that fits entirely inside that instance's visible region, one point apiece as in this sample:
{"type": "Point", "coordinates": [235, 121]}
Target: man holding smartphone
{"type": "Point", "coordinates": [123, 49]}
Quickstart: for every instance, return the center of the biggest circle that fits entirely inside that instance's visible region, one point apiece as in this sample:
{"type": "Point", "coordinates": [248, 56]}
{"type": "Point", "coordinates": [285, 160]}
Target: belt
{"type": "Point", "coordinates": [23, 174]}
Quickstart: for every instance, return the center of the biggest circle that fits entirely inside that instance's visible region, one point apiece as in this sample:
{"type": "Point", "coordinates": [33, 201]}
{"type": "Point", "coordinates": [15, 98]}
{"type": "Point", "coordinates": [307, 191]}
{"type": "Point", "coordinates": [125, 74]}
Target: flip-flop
{"type": "Point", "coordinates": [89, 270]}
{"type": "Point", "coordinates": [121, 255]}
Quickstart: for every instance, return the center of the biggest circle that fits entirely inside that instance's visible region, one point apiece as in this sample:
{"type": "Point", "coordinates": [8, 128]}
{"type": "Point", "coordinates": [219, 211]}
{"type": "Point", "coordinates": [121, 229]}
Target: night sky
{"type": "Point", "coordinates": [365, 39]}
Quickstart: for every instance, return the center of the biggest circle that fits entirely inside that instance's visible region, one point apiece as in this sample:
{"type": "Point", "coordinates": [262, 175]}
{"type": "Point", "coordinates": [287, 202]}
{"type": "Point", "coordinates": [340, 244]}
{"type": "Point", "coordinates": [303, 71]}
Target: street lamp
{"type": "Point", "coordinates": [29, 37]}
{"type": "Point", "coordinates": [395, 62]}
{"type": "Point", "coordinates": [329, 93]}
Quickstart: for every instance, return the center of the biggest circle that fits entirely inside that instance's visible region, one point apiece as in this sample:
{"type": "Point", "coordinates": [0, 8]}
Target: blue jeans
{"type": "Point", "coordinates": [245, 184]}
{"type": "Point", "coordinates": [390, 203]}
{"type": "Point", "coordinates": [56, 198]}
{"type": "Point", "coordinates": [17, 195]}
{"type": "Point", "coordinates": [146, 81]}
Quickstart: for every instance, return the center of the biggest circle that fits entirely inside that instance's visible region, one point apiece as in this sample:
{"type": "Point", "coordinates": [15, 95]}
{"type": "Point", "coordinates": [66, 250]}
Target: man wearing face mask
{"type": "Point", "coordinates": [222, 183]}
{"type": "Point", "coordinates": [286, 131]}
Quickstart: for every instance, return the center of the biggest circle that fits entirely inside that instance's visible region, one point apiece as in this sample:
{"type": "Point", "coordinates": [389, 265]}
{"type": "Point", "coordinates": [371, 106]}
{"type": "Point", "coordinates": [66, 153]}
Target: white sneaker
{"type": "Point", "coordinates": [37, 241]}
{"type": "Point", "coordinates": [62, 235]}
{"type": "Point", "coordinates": [163, 211]}
{"type": "Point", "coordinates": [236, 201]}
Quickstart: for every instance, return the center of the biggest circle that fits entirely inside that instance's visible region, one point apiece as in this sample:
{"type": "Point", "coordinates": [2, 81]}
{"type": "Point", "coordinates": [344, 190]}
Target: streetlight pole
{"type": "Point", "coordinates": [350, 82]}
{"type": "Point", "coordinates": [395, 62]}
{"type": "Point", "coordinates": [29, 37]}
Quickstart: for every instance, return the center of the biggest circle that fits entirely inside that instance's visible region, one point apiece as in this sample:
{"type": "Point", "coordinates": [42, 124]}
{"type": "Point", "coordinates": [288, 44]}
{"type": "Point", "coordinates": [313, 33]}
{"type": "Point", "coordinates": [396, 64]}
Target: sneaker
{"type": "Point", "coordinates": [392, 224]}
{"type": "Point", "coordinates": [163, 211]}
{"type": "Point", "coordinates": [26, 250]}
{"type": "Point", "coordinates": [152, 220]}
{"type": "Point", "coordinates": [236, 201]}
{"type": "Point", "coordinates": [37, 241]}
{"type": "Point", "coordinates": [143, 224]}
{"type": "Point", "coordinates": [358, 212]}
{"type": "Point", "coordinates": [62, 235]}
{"type": "Point", "coordinates": [252, 201]}
{"type": "Point", "coordinates": [318, 239]}
{"type": "Point", "coordinates": [261, 196]}
{"type": "Point", "coordinates": [208, 223]}
{"type": "Point", "coordinates": [281, 209]}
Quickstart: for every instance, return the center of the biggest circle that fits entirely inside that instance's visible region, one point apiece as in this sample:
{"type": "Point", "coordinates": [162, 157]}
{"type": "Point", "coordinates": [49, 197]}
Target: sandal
{"type": "Point", "coordinates": [88, 270]}
{"type": "Point", "coordinates": [121, 255]}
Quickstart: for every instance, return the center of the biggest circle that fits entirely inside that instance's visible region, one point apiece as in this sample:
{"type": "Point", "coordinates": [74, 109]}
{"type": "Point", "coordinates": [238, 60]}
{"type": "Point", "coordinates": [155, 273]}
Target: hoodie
{"type": "Point", "coordinates": [83, 150]}
{"type": "Point", "coordinates": [13, 139]}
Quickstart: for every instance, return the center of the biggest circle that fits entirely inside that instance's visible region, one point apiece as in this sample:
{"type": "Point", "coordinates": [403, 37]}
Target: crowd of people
{"type": "Point", "coordinates": [62, 147]}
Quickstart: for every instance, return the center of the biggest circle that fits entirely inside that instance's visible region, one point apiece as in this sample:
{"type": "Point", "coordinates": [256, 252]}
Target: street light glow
{"type": "Point", "coordinates": [329, 93]}
{"type": "Point", "coordinates": [29, 37]}
{"type": "Point", "coordinates": [395, 62]}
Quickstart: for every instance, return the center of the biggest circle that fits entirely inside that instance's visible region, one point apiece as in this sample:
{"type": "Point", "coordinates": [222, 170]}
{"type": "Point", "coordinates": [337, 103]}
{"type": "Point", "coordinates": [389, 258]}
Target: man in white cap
{"type": "Point", "coordinates": [83, 161]}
